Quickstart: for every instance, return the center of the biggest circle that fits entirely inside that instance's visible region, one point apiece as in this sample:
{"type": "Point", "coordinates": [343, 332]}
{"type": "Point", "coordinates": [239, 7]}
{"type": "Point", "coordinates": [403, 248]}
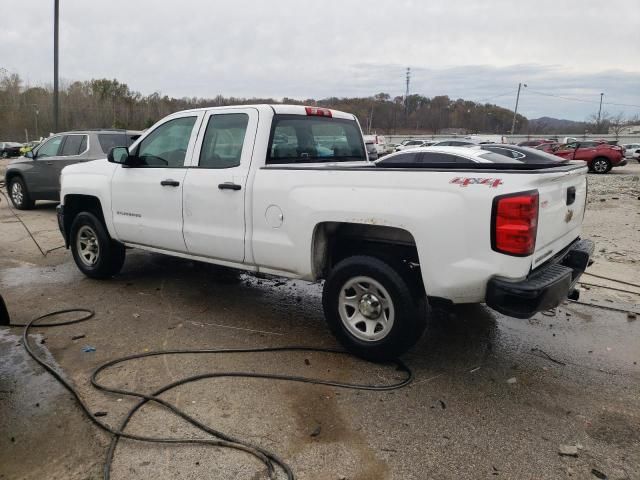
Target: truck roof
{"type": "Point", "coordinates": [277, 108]}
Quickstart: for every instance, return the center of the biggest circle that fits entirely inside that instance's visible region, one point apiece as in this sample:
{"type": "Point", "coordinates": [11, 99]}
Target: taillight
{"type": "Point", "coordinates": [514, 223]}
{"type": "Point", "coordinates": [318, 112]}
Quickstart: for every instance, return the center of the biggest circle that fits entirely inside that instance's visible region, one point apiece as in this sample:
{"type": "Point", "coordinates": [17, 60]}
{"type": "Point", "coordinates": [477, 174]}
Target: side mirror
{"type": "Point", "coordinates": [29, 154]}
{"type": "Point", "coordinates": [118, 155]}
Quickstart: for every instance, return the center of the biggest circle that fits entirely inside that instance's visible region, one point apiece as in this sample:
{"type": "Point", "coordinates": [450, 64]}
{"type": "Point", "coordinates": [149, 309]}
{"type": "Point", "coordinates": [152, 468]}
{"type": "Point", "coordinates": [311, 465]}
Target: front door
{"type": "Point", "coordinates": [146, 196]}
{"type": "Point", "coordinates": [42, 173]}
{"type": "Point", "coordinates": [215, 186]}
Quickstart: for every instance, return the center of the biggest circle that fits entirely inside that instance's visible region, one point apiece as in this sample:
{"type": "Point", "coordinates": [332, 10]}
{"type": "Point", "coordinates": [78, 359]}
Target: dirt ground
{"type": "Point", "coordinates": [493, 396]}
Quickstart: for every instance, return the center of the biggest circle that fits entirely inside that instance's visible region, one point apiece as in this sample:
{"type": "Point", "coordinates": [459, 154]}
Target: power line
{"type": "Point", "coordinates": [573, 99]}
{"type": "Point", "coordinates": [510, 92]}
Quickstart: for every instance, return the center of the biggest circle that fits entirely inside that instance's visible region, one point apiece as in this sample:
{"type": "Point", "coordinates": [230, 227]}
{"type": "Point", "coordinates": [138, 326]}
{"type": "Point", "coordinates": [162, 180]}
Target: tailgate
{"type": "Point", "coordinates": [562, 204]}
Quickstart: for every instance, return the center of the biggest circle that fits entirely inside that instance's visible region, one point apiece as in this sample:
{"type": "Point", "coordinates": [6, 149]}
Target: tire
{"type": "Point", "coordinates": [600, 165]}
{"type": "Point", "coordinates": [95, 253]}
{"type": "Point", "coordinates": [19, 194]}
{"type": "Point", "coordinates": [354, 299]}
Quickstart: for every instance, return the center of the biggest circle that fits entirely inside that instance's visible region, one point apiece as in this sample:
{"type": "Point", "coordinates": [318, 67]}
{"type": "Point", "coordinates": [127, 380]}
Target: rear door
{"type": "Point", "coordinates": [73, 150]}
{"type": "Point", "coordinates": [146, 197]}
{"type": "Point", "coordinates": [215, 186]}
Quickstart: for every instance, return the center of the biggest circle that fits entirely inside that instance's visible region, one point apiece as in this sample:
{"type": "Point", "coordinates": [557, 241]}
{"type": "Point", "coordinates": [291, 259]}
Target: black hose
{"type": "Point", "coordinates": [613, 279]}
{"type": "Point", "coordinates": [269, 459]}
{"type": "Point", "coordinates": [609, 288]}
{"type": "Point", "coordinates": [605, 307]}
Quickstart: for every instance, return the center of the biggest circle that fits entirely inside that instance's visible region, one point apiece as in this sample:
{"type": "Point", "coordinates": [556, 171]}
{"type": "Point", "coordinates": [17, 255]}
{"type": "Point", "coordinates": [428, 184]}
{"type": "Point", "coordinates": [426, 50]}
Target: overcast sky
{"type": "Point", "coordinates": [313, 49]}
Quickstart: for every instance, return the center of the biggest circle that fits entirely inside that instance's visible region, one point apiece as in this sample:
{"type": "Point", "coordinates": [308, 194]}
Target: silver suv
{"type": "Point", "coordinates": [36, 175]}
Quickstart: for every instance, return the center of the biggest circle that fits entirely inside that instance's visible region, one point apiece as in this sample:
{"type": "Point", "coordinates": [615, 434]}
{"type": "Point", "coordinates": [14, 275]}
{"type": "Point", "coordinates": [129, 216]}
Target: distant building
{"type": "Point", "coordinates": [628, 130]}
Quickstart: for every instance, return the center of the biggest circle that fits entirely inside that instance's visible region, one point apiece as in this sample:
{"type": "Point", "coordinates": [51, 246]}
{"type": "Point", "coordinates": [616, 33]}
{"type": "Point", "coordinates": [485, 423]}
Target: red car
{"type": "Point", "coordinates": [600, 156]}
{"type": "Point", "coordinates": [534, 143]}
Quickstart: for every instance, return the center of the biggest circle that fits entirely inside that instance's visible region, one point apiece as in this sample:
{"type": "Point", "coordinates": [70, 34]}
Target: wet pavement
{"type": "Point", "coordinates": [493, 397]}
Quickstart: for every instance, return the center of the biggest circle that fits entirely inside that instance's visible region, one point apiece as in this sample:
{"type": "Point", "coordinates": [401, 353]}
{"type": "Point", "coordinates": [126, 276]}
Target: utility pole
{"type": "Point", "coordinates": [515, 111]}
{"type": "Point", "coordinates": [406, 93]}
{"type": "Point", "coordinates": [600, 111]}
{"type": "Point", "coordinates": [56, 11]}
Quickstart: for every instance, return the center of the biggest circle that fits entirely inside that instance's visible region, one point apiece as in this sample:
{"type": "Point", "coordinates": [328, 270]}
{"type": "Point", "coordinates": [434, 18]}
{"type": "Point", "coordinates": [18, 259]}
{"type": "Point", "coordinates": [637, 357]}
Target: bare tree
{"type": "Point", "coordinates": [617, 124]}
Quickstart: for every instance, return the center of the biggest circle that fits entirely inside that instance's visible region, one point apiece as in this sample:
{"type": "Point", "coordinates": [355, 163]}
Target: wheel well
{"type": "Point", "coordinates": [10, 175]}
{"type": "Point", "coordinates": [74, 204]}
{"type": "Point", "coordinates": [334, 241]}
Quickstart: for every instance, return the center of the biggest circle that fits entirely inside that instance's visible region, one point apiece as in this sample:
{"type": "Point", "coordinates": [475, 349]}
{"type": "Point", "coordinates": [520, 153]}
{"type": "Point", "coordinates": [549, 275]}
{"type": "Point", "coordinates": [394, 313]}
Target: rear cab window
{"type": "Point", "coordinates": [314, 139]}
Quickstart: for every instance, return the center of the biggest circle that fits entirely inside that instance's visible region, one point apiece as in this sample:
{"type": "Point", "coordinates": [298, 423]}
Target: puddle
{"type": "Point", "coordinates": [29, 274]}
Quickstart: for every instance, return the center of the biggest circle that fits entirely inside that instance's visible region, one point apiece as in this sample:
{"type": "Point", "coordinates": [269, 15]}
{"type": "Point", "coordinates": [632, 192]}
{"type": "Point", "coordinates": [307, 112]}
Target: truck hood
{"type": "Point", "coordinates": [94, 167]}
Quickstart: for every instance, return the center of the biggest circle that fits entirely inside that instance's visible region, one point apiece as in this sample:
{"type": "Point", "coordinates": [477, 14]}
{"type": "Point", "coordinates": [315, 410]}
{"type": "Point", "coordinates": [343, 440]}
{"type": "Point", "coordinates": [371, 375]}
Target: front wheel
{"type": "Point", "coordinates": [94, 252]}
{"type": "Point", "coordinates": [370, 308]}
{"type": "Point", "coordinates": [19, 194]}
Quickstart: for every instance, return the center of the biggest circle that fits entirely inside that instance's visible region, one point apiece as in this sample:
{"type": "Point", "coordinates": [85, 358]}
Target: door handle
{"type": "Point", "coordinates": [229, 186]}
{"type": "Point", "coordinates": [49, 163]}
{"type": "Point", "coordinates": [170, 183]}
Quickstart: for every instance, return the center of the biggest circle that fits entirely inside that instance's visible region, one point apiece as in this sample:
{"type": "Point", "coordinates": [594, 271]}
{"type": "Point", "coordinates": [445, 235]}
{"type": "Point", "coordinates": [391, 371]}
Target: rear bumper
{"type": "Point", "coordinates": [544, 288]}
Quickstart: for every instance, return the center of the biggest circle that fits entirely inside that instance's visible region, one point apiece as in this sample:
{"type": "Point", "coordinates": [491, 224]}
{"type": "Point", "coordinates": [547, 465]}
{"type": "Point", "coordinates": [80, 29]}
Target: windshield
{"type": "Point", "coordinates": [310, 139]}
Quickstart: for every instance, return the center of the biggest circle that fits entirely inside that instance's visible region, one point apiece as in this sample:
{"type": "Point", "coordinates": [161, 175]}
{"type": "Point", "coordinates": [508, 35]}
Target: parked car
{"type": "Point", "coordinates": [379, 141]}
{"type": "Point", "coordinates": [387, 240]}
{"type": "Point", "coordinates": [508, 157]}
{"type": "Point", "coordinates": [630, 149]}
{"type": "Point", "coordinates": [522, 154]}
{"type": "Point", "coordinates": [372, 151]}
{"type": "Point", "coordinates": [534, 143]}
{"type": "Point", "coordinates": [454, 142]}
{"type": "Point", "coordinates": [36, 175]}
{"type": "Point", "coordinates": [10, 149]}
{"type": "Point", "coordinates": [27, 147]}
{"type": "Point", "coordinates": [600, 157]}
{"type": "Point", "coordinates": [408, 144]}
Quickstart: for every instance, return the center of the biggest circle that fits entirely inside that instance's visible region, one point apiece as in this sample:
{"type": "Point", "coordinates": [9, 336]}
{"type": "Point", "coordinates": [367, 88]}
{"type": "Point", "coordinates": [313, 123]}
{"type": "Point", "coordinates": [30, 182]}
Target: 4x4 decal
{"type": "Point", "coordinates": [465, 181]}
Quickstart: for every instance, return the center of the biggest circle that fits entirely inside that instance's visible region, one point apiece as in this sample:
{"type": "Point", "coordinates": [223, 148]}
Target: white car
{"type": "Point", "coordinates": [288, 190]}
{"type": "Point", "coordinates": [632, 150]}
{"type": "Point", "coordinates": [409, 144]}
{"type": "Point", "coordinates": [379, 141]}
{"type": "Point", "coordinates": [454, 142]}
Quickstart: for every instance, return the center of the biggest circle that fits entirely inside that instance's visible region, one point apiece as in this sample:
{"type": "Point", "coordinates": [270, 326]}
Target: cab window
{"type": "Point", "coordinates": [311, 139]}
{"type": "Point", "coordinates": [167, 145]}
{"type": "Point", "coordinates": [223, 140]}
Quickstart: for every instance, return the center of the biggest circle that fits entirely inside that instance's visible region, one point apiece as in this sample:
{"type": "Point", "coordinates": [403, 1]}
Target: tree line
{"type": "Point", "coordinates": [27, 111]}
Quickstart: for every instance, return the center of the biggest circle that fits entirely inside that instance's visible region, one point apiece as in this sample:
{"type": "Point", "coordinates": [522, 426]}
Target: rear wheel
{"type": "Point", "coordinates": [95, 253]}
{"type": "Point", "coordinates": [601, 165]}
{"type": "Point", "coordinates": [370, 308]}
{"type": "Point", "coordinates": [19, 194]}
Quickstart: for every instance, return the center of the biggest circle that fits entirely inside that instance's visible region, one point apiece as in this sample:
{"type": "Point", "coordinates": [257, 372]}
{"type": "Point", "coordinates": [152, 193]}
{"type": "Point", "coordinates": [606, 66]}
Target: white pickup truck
{"type": "Point", "coordinates": [289, 190]}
